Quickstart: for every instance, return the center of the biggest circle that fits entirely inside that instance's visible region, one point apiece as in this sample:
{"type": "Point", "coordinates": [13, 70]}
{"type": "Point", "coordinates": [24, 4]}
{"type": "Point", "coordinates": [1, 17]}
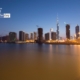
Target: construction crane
{"type": "Point", "coordinates": [1, 15]}
{"type": "Point", "coordinates": [0, 10]}
{"type": "Point", "coordinates": [37, 26]}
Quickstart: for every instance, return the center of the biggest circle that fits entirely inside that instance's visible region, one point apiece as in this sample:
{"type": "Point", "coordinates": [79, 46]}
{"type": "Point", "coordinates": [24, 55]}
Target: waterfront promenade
{"type": "Point", "coordinates": [63, 43]}
{"type": "Point", "coordinates": [54, 43]}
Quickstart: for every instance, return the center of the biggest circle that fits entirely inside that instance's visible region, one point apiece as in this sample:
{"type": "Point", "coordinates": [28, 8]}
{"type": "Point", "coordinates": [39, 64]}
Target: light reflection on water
{"type": "Point", "coordinates": [39, 62]}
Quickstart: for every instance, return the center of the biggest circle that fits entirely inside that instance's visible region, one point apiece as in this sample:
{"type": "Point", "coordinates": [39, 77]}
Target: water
{"type": "Point", "coordinates": [39, 62]}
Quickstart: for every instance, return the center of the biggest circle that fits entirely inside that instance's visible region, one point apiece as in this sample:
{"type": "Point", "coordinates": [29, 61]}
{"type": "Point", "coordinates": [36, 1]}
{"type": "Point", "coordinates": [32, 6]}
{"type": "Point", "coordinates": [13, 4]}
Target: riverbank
{"type": "Point", "coordinates": [54, 43]}
{"type": "Point", "coordinates": [63, 43]}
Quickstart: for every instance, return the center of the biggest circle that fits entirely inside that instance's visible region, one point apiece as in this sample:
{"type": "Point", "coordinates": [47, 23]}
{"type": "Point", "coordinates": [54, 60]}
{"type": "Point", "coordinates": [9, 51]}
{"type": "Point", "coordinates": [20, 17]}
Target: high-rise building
{"type": "Point", "coordinates": [51, 30]}
{"type": "Point", "coordinates": [53, 35]}
{"type": "Point", "coordinates": [31, 36]}
{"type": "Point", "coordinates": [67, 31]}
{"type": "Point", "coordinates": [12, 36]}
{"type": "Point", "coordinates": [57, 31]}
{"type": "Point", "coordinates": [47, 36]}
{"type": "Point", "coordinates": [35, 35]}
{"type": "Point", "coordinates": [71, 37]}
{"type": "Point", "coordinates": [26, 36]}
{"type": "Point", "coordinates": [77, 31]}
{"type": "Point", "coordinates": [60, 38]}
{"type": "Point", "coordinates": [40, 34]}
{"type": "Point", "coordinates": [21, 36]}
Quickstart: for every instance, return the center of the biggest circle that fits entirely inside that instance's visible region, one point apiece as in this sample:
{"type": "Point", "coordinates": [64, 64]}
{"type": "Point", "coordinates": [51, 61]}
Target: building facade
{"type": "Point", "coordinates": [31, 36]}
{"type": "Point", "coordinates": [57, 31]}
{"type": "Point", "coordinates": [26, 36]}
{"type": "Point", "coordinates": [40, 34]}
{"type": "Point", "coordinates": [47, 36]}
{"type": "Point", "coordinates": [77, 31]}
{"type": "Point", "coordinates": [12, 36]}
{"type": "Point", "coordinates": [35, 35]}
{"type": "Point", "coordinates": [22, 36]}
{"type": "Point", "coordinates": [67, 31]}
{"type": "Point", "coordinates": [53, 35]}
{"type": "Point", "coordinates": [4, 38]}
{"type": "Point", "coordinates": [51, 30]}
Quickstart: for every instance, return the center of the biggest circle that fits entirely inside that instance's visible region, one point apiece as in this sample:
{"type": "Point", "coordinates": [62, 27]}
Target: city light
{"type": "Point", "coordinates": [50, 37]}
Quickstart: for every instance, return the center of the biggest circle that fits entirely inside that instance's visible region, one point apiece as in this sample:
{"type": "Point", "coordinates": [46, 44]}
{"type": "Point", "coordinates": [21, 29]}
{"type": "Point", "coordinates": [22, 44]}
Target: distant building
{"type": "Point", "coordinates": [51, 30]}
{"type": "Point", "coordinates": [61, 38]}
{"type": "Point", "coordinates": [31, 36]}
{"type": "Point", "coordinates": [77, 31]}
{"type": "Point", "coordinates": [53, 35]}
{"type": "Point", "coordinates": [12, 36]}
{"type": "Point", "coordinates": [47, 36]}
{"type": "Point", "coordinates": [21, 36]}
{"type": "Point", "coordinates": [4, 38]}
{"type": "Point", "coordinates": [71, 37]}
{"type": "Point", "coordinates": [67, 31]}
{"type": "Point", "coordinates": [40, 34]}
{"type": "Point", "coordinates": [35, 35]}
{"type": "Point", "coordinates": [57, 31]}
{"type": "Point", "coordinates": [0, 38]}
{"type": "Point", "coordinates": [26, 36]}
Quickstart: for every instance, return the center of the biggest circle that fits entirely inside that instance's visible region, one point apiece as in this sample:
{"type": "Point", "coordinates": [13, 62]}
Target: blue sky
{"type": "Point", "coordinates": [26, 14]}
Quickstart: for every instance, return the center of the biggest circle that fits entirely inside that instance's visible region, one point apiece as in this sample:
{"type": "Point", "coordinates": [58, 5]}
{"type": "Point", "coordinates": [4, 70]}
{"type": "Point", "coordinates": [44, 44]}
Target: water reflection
{"type": "Point", "coordinates": [44, 62]}
{"type": "Point", "coordinates": [51, 52]}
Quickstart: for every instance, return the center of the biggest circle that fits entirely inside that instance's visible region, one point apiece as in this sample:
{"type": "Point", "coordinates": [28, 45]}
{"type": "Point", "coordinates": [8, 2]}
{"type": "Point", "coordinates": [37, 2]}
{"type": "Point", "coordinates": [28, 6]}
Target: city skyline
{"type": "Point", "coordinates": [25, 15]}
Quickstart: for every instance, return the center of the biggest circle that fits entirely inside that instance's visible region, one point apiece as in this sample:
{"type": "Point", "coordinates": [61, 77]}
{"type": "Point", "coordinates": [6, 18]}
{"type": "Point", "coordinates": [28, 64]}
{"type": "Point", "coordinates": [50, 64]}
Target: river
{"type": "Point", "coordinates": [39, 62]}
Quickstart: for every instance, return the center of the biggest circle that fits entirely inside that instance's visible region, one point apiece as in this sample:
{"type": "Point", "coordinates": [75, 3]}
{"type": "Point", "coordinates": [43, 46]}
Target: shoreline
{"type": "Point", "coordinates": [53, 43]}
{"type": "Point", "coordinates": [65, 43]}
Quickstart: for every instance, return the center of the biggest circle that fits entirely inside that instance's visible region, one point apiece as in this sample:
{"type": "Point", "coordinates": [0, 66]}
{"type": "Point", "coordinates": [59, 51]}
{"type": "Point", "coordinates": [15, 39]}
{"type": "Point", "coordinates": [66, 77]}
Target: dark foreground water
{"type": "Point", "coordinates": [39, 62]}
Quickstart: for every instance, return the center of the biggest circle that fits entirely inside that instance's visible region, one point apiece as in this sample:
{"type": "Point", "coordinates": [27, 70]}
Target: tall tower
{"type": "Point", "coordinates": [0, 10]}
{"type": "Point", "coordinates": [51, 30]}
{"type": "Point", "coordinates": [77, 31]}
{"type": "Point", "coordinates": [67, 31]}
{"type": "Point", "coordinates": [57, 32]}
{"type": "Point", "coordinates": [40, 34]}
{"type": "Point", "coordinates": [21, 36]}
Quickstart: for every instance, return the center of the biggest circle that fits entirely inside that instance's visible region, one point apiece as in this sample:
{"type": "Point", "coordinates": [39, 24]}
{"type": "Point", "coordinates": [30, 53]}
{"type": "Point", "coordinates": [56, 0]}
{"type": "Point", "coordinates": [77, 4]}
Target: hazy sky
{"type": "Point", "coordinates": [26, 14]}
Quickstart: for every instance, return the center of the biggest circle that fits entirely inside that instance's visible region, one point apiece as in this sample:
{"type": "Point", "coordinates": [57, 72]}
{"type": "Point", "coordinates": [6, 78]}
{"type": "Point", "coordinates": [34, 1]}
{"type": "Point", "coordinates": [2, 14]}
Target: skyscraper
{"type": "Point", "coordinates": [21, 36]}
{"type": "Point", "coordinates": [53, 35]}
{"type": "Point", "coordinates": [47, 36]}
{"type": "Point", "coordinates": [26, 36]}
{"type": "Point", "coordinates": [31, 36]}
{"type": "Point", "coordinates": [51, 30]}
{"type": "Point", "coordinates": [35, 35]}
{"type": "Point", "coordinates": [12, 36]}
{"type": "Point", "coordinates": [67, 31]}
{"type": "Point", "coordinates": [57, 32]}
{"type": "Point", "coordinates": [77, 31]}
{"type": "Point", "coordinates": [40, 34]}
